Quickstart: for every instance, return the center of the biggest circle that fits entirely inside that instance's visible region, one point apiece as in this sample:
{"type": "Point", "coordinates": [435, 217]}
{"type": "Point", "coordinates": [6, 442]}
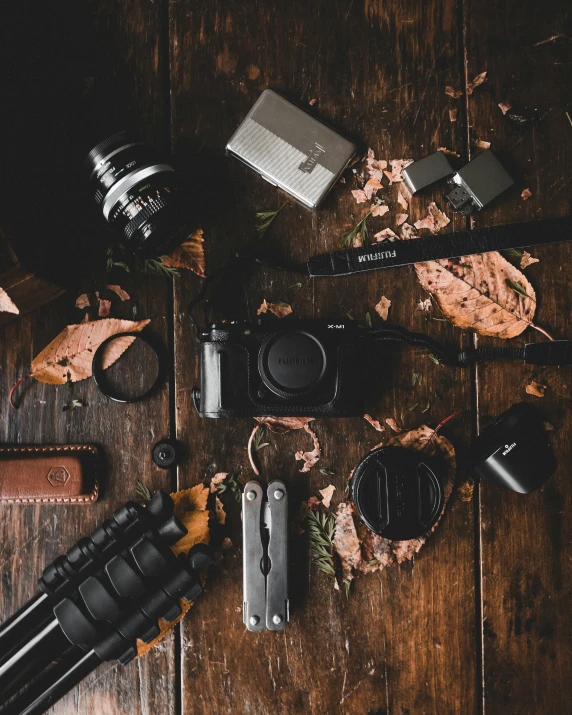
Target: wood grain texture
{"type": "Point", "coordinates": [403, 642]}
{"type": "Point", "coordinates": [526, 541]}
{"type": "Point", "coordinates": [99, 63]}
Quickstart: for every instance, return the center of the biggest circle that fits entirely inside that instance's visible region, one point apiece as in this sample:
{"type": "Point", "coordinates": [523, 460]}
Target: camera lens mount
{"type": "Point", "coordinates": [292, 364]}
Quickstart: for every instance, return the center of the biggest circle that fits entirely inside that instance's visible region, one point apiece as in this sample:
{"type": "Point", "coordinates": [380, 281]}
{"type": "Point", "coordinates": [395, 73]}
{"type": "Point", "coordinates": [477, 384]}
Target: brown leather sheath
{"type": "Point", "coordinates": [62, 474]}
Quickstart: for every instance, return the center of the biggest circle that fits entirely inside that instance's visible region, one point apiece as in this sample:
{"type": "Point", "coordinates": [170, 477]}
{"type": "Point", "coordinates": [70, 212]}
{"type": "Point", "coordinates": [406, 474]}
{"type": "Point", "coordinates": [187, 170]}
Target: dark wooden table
{"type": "Point", "coordinates": [479, 621]}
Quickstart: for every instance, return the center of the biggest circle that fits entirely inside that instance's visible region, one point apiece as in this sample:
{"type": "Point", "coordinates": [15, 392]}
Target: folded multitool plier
{"type": "Point", "coordinates": [265, 556]}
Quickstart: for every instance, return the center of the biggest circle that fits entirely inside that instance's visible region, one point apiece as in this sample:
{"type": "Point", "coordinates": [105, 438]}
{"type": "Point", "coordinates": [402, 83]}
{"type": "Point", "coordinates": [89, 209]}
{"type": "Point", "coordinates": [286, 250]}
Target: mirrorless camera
{"type": "Point", "coordinates": [308, 368]}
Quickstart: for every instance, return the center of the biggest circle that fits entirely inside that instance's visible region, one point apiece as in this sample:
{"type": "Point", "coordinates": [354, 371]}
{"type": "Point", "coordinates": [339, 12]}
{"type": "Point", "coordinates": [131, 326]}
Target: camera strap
{"type": "Point", "coordinates": [366, 258]}
{"type": "Point", "coordinates": [554, 352]}
{"type": "Point", "coordinates": [433, 248]}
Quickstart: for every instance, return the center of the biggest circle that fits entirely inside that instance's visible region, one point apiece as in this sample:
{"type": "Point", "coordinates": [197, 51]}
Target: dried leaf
{"type": "Point", "coordinates": [357, 242]}
{"type": "Point", "coordinates": [83, 301]}
{"type": "Point", "coordinates": [379, 210]}
{"type": "Point", "coordinates": [505, 106]}
{"type": "Point", "coordinates": [527, 260]}
{"type": "Point", "coordinates": [526, 194]}
{"type": "Point", "coordinates": [309, 458]}
{"type": "Point", "coordinates": [473, 293]}
{"type": "Point", "coordinates": [216, 481]}
{"type": "Point", "coordinates": [424, 306]}
{"type": "Point", "coordinates": [280, 310]}
{"type": "Point", "coordinates": [327, 495]}
{"type": "Point", "coordinates": [478, 80]}
{"type": "Point", "coordinates": [452, 92]}
{"type": "Point", "coordinates": [482, 144]}
{"type": "Point", "coordinates": [220, 514]}
{"type": "Point", "coordinates": [536, 389]}
{"type": "Point", "coordinates": [370, 189]}
{"type": "Point", "coordinates": [281, 425]}
{"type": "Point", "coordinates": [68, 357]}
{"type": "Point", "coordinates": [74, 404]}
{"type": "Point", "coordinates": [190, 508]}
{"type": "Point", "coordinates": [382, 308]}
{"type": "Point", "coordinates": [402, 201]}
{"type": "Point", "coordinates": [401, 218]}
{"type": "Point", "coordinates": [374, 423]}
{"type": "Point", "coordinates": [375, 166]}
{"type": "Point", "coordinates": [118, 290]}
{"type": "Point", "coordinates": [434, 221]}
{"type": "Point", "coordinates": [345, 541]}
{"type": "Point", "coordinates": [104, 308]}
{"type": "Point", "coordinates": [453, 115]}
{"type": "Point", "coordinates": [7, 305]}
{"type": "Point", "coordinates": [397, 166]}
{"type": "Point", "coordinates": [390, 422]}
{"type": "Point", "coordinates": [386, 233]}
{"type": "Point", "coordinates": [447, 151]}
{"type": "Point", "coordinates": [466, 491]}
{"type": "Point", "coordinates": [190, 255]}
{"type": "Point", "coordinates": [408, 231]}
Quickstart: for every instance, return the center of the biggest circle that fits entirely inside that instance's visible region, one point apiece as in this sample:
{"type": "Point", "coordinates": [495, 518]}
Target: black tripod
{"type": "Point", "coordinates": [108, 591]}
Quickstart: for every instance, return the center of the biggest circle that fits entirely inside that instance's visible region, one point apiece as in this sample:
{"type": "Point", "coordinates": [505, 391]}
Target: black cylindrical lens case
{"type": "Point", "coordinates": [514, 451]}
{"type": "Point", "coordinates": [397, 492]}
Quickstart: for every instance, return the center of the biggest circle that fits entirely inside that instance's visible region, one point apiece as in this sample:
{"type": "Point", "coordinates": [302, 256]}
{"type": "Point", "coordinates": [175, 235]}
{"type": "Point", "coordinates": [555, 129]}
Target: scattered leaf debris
{"type": "Point", "coordinates": [280, 310]}
{"type": "Point", "coordinates": [435, 219]}
{"type": "Point", "coordinates": [528, 260]}
{"type": "Point", "coordinates": [452, 92]}
{"type": "Point", "coordinates": [375, 166]}
{"type": "Point", "coordinates": [327, 494]}
{"type": "Point", "coordinates": [382, 308]}
{"type": "Point", "coordinates": [309, 458]}
{"type": "Point", "coordinates": [453, 115]}
{"type": "Point", "coordinates": [74, 404]}
{"type": "Point", "coordinates": [385, 233]}
{"type": "Point", "coordinates": [380, 210]}
{"type": "Point", "coordinates": [447, 151]}
{"type": "Point", "coordinates": [505, 106]}
{"type": "Point", "coordinates": [476, 82]}
{"type": "Point", "coordinates": [526, 194]}
{"type": "Point", "coordinates": [369, 190]}
{"type": "Point", "coordinates": [374, 423]}
{"type": "Point", "coordinates": [118, 290]}
{"type": "Point", "coordinates": [535, 388]}
{"type": "Point", "coordinates": [397, 166]}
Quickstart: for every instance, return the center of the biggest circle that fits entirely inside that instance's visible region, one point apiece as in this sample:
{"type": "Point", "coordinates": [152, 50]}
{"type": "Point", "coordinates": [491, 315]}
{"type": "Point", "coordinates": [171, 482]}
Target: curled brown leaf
{"type": "Point", "coordinates": [280, 310]}
{"type": "Point", "coordinates": [190, 255]}
{"type": "Point", "coordinates": [309, 458]}
{"type": "Point", "coordinates": [536, 389]}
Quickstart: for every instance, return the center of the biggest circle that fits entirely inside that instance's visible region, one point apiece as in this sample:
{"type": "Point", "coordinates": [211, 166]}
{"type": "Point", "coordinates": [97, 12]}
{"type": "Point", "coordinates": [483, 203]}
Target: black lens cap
{"type": "Point", "coordinates": [397, 492]}
{"type": "Point", "coordinates": [292, 362]}
{"type": "Point", "coordinates": [166, 453]}
{"type": "Point", "coordinates": [514, 450]}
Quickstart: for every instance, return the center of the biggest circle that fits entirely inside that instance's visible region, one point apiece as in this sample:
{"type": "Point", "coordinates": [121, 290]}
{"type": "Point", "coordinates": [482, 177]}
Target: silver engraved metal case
{"type": "Point", "coordinates": [291, 149]}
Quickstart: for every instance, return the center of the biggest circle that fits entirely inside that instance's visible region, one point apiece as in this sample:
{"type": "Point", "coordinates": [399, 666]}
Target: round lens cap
{"type": "Point", "coordinates": [293, 362]}
{"type": "Point", "coordinates": [397, 493]}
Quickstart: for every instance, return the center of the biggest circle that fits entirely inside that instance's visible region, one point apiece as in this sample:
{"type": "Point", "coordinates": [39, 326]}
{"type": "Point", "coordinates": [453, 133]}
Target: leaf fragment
{"type": "Point", "coordinates": [327, 494]}
{"type": "Point", "coordinates": [382, 308]}
{"type": "Point", "coordinates": [435, 219]}
{"type": "Point", "coordinates": [280, 310]}
{"type": "Point", "coordinates": [312, 457]}
{"type": "Point", "coordinates": [374, 423]}
{"type": "Point", "coordinates": [375, 166]}
{"type": "Point", "coordinates": [281, 425]}
{"type": "Point", "coordinates": [452, 92]}
{"type": "Point", "coordinates": [118, 290]}
{"type": "Point", "coordinates": [190, 255]}
{"type": "Point", "coordinates": [386, 233]}
{"type": "Point", "coordinates": [476, 82]}
{"type": "Point", "coordinates": [535, 388]}
{"type": "Point", "coordinates": [527, 260]}
{"type": "Point", "coordinates": [371, 188]}
{"type": "Point", "coordinates": [526, 194]}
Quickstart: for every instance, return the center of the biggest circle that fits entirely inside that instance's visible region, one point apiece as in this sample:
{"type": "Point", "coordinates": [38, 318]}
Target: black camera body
{"type": "Point", "coordinates": [310, 368]}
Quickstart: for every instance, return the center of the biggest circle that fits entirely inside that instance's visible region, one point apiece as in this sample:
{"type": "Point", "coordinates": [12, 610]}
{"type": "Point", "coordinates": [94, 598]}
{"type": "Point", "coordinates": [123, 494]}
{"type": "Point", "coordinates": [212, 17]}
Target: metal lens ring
{"type": "Point", "coordinates": [135, 189]}
{"type": "Point", "coordinates": [106, 385]}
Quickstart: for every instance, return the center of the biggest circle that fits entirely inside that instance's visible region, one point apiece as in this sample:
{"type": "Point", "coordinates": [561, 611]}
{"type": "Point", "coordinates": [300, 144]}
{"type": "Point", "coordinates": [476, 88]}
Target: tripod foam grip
{"type": "Point", "coordinates": [77, 627]}
{"type": "Point", "coordinates": [153, 559]}
{"type": "Point", "coordinates": [101, 604]}
{"type": "Point", "coordinates": [124, 577]}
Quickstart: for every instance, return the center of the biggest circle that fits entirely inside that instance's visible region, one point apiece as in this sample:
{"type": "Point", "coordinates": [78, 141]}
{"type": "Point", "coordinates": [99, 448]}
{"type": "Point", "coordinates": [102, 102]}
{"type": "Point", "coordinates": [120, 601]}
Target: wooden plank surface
{"type": "Point", "coordinates": [478, 621]}
{"type": "Point", "coordinates": [398, 644]}
{"type": "Point", "coordinates": [526, 541]}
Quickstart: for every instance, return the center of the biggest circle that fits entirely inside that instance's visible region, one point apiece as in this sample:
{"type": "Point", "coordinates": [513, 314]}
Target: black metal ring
{"type": "Point", "coordinates": [100, 378]}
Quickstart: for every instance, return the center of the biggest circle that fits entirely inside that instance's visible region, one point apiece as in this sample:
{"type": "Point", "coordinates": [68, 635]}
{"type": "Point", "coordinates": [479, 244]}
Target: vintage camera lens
{"type": "Point", "coordinates": [136, 191]}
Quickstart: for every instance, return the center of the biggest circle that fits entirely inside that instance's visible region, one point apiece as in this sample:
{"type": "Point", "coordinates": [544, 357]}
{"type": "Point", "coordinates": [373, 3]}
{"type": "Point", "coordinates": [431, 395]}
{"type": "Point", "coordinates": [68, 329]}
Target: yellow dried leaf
{"type": "Point", "coordinates": [190, 255]}
{"type": "Point", "coordinates": [190, 508]}
{"type": "Point", "coordinates": [536, 389]}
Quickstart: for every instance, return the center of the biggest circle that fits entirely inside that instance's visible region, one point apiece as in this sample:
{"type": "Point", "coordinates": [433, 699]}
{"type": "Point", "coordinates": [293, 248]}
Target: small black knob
{"type": "Point", "coordinates": [165, 453]}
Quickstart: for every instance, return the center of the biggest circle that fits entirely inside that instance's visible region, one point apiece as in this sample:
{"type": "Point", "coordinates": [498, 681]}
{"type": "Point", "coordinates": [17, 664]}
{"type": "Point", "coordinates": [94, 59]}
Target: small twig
{"type": "Point", "coordinates": [541, 330]}
{"type": "Point", "coordinates": [13, 390]}
{"type": "Point", "coordinates": [249, 450]}
{"type": "Point", "coordinates": [448, 419]}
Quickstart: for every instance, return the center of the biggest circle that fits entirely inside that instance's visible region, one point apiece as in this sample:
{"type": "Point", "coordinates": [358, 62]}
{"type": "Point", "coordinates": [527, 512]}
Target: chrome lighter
{"type": "Point", "coordinates": [265, 556]}
{"type": "Point", "coordinates": [291, 149]}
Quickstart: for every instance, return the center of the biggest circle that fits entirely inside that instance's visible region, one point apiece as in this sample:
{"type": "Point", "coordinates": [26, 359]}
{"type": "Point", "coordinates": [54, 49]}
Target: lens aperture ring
{"type": "Point", "coordinates": [128, 181]}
